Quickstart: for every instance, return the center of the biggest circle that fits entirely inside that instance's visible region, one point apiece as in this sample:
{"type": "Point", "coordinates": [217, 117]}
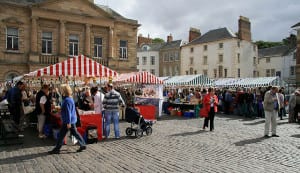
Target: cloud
{"type": "Point", "coordinates": [270, 19]}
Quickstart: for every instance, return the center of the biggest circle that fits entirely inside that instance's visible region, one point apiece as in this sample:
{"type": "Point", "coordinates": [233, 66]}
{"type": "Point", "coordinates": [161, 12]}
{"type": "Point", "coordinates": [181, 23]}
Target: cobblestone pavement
{"type": "Point", "coordinates": [176, 145]}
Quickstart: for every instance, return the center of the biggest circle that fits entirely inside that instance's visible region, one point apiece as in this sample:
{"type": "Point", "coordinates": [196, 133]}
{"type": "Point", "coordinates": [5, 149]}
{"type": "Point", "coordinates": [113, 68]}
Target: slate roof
{"type": "Point", "coordinates": [296, 25]}
{"type": "Point", "coordinates": [153, 47]}
{"type": "Point", "coordinates": [172, 44]}
{"type": "Point", "coordinates": [273, 51]}
{"type": "Point", "coordinates": [214, 35]}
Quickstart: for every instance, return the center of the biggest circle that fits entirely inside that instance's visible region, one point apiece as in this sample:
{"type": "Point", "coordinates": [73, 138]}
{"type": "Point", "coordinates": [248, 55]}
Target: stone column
{"type": "Point", "coordinates": [34, 34]}
{"type": "Point", "coordinates": [87, 40]}
{"type": "Point", "coordinates": [62, 38]}
{"type": "Point", "coordinates": [110, 43]}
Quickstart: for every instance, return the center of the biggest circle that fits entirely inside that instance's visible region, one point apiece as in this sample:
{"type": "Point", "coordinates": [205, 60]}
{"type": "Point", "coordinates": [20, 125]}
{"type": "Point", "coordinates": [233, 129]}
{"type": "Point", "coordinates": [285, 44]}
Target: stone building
{"type": "Point", "coordinates": [37, 33]}
{"type": "Point", "coordinates": [169, 61]}
{"type": "Point", "coordinates": [297, 28]}
{"type": "Point", "coordinates": [220, 53]}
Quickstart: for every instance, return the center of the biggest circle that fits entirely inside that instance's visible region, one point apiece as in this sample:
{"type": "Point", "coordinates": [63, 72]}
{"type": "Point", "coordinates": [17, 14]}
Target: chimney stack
{"type": "Point", "coordinates": [169, 38]}
{"type": "Point", "coordinates": [194, 33]}
{"type": "Point", "coordinates": [244, 28]}
{"type": "Point", "coordinates": [144, 40]}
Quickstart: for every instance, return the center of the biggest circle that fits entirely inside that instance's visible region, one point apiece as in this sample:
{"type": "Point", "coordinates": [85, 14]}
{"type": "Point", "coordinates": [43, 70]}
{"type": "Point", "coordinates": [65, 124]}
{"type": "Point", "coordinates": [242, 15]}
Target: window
{"type": "Point", "coordinates": [205, 72]}
{"type": "Point", "coordinates": [205, 60]}
{"type": "Point", "coordinates": [176, 56]}
{"type": "Point", "coordinates": [205, 47]}
{"type": "Point", "coordinates": [192, 49]}
{"type": "Point", "coordinates": [220, 71]}
{"type": "Point", "coordinates": [254, 60]}
{"type": "Point", "coordinates": [225, 72]}
{"type": "Point", "coordinates": [268, 73]}
{"type": "Point", "coordinates": [220, 45]}
{"type": "Point", "coordinates": [239, 72]}
{"type": "Point", "coordinates": [292, 70]}
{"type": "Point", "coordinates": [152, 60]}
{"type": "Point", "coordinates": [171, 56]}
{"type": "Point", "coordinates": [123, 49]}
{"type": "Point", "coordinates": [186, 72]}
{"type": "Point", "coordinates": [144, 60]}
{"type": "Point", "coordinates": [278, 73]}
{"type": "Point", "coordinates": [215, 73]}
{"type": "Point", "coordinates": [166, 57]}
{"type": "Point", "coordinates": [137, 61]}
{"type": "Point", "coordinates": [268, 60]}
{"type": "Point", "coordinates": [195, 71]}
{"type": "Point", "coordinates": [254, 73]}
{"type": "Point", "coordinates": [177, 70]}
{"type": "Point", "coordinates": [98, 47]}
{"type": "Point", "coordinates": [47, 42]}
{"type": "Point", "coordinates": [238, 58]}
{"type": "Point", "coordinates": [12, 39]}
{"type": "Point", "coordinates": [220, 58]}
{"type": "Point", "coordinates": [294, 55]}
{"type": "Point", "coordinates": [152, 71]}
{"type": "Point", "coordinates": [191, 60]}
{"type": "Point", "coordinates": [273, 72]}
{"type": "Point", "coordinates": [191, 70]}
{"type": "Point", "coordinates": [73, 45]}
{"type": "Point", "coordinates": [239, 44]}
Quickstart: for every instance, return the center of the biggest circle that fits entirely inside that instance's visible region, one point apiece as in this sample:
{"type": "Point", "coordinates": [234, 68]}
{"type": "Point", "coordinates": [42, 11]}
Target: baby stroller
{"type": "Point", "coordinates": [135, 118]}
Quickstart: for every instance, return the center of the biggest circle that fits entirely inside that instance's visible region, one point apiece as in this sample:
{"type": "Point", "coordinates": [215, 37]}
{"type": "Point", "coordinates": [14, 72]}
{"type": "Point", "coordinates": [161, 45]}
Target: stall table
{"type": "Point", "coordinates": [85, 121]}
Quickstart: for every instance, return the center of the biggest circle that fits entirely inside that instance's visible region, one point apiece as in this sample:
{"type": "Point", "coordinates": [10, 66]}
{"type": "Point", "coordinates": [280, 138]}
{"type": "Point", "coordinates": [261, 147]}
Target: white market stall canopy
{"type": "Point", "coordinates": [249, 82]}
{"type": "Point", "coordinates": [188, 80]}
{"type": "Point", "coordinates": [79, 66]}
{"type": "Point", "coordinates": [143, 77]}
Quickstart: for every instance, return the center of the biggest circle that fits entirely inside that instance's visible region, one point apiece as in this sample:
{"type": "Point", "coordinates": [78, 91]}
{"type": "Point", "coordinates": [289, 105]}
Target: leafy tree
{"type": "Point", "coordinates": [266, 44]}
{"type": "Point", "coordinates": [158, 40]}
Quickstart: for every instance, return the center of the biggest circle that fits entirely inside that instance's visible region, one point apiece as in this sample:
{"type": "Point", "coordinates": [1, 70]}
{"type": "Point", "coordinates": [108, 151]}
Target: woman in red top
{"type": "Point", "coordinates": [210, 107]}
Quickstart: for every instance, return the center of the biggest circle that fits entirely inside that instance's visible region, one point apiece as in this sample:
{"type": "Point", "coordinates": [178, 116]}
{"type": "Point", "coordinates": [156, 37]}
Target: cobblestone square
{"type": "Point", "coordinates": [177, 144]}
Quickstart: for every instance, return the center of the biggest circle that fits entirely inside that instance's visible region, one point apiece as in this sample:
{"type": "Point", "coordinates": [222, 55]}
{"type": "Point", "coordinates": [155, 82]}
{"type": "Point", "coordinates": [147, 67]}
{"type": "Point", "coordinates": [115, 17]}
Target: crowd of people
{"type": "Point", "coordinates": [262, 102]}
{"type": "Point", "coordinates": [105, 101]}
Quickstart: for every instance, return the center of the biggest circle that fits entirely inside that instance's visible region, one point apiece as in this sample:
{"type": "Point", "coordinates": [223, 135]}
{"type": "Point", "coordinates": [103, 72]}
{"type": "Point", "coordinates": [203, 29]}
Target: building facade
{"type": "Point", "coordinates": [37, 33]}
{"type": "Point", "coordinates": [148, 58]}
{"type": "Point", "coordinates": [296, 27]}
{"type": "Point", "coordinates": [278, 61]}
{"type": "Point", "coordinates": [169, 61]}
{"type": "Point", "coordinates": [220, 53]}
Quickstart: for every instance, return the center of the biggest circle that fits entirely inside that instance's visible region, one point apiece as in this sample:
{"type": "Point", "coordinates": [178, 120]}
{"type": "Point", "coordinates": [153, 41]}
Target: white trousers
{"type": "Point", "coordinates": [270, 117]}
{"type": "Point", "coordinates": [41, 123]}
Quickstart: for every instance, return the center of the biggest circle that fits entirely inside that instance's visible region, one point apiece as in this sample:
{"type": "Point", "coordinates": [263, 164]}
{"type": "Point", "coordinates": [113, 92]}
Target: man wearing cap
{"type": "Point", "coordinates": [111, 103]}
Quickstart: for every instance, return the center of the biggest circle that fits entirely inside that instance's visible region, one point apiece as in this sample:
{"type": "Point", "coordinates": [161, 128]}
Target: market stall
{"type": "Point", "coordinates": [148, 92]}
{"type": "Point", "coordinates": [249, 82]}
{"type": "Point", "coordinates": [183, 94]}
{"type": "Point", "coordinates": [73, 71]}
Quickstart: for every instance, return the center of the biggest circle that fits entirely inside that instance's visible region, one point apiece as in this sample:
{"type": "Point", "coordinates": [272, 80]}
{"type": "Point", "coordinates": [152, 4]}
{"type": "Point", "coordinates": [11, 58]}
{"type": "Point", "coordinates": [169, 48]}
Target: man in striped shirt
{"type": "Point", "coordinates": [111, 103]}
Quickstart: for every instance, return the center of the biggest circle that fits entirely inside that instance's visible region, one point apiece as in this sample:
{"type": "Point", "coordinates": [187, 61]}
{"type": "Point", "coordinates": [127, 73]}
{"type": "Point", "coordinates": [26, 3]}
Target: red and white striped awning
{"type": "Point", "coordinates": [79, 66]}
{"type": "Point", "coordinates": [139, 77]}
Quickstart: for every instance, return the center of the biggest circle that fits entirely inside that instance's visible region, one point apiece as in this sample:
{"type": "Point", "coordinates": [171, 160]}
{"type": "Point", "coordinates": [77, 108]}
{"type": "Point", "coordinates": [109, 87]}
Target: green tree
{"type": "Point", "coordinates": [266, 44]}
{"type": "Point", "coordinates": [158, 40]}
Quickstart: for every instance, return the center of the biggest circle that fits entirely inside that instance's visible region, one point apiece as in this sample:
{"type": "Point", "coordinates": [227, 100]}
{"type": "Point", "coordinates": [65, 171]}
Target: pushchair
{"type": "Point", "coordinates": [135, 118]}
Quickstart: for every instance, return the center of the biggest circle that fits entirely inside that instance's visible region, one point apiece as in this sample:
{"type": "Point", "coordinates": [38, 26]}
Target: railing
{"type": "Point", "coordinates": [48, 59]}
{"type": "Point", "coordinates": [101, 61]}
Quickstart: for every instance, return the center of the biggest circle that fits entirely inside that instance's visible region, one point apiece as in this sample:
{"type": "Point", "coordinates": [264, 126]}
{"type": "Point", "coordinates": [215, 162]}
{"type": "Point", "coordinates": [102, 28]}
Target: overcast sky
{"type": "Point", "coordinates": [271, 20]}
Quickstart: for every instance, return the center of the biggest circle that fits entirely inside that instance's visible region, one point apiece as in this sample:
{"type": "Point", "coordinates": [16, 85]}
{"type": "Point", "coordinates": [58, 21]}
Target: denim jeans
{"type": "Point", "coordinates": [112, 116]}
{"type": "Point", "coordinates": [62, 133]}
